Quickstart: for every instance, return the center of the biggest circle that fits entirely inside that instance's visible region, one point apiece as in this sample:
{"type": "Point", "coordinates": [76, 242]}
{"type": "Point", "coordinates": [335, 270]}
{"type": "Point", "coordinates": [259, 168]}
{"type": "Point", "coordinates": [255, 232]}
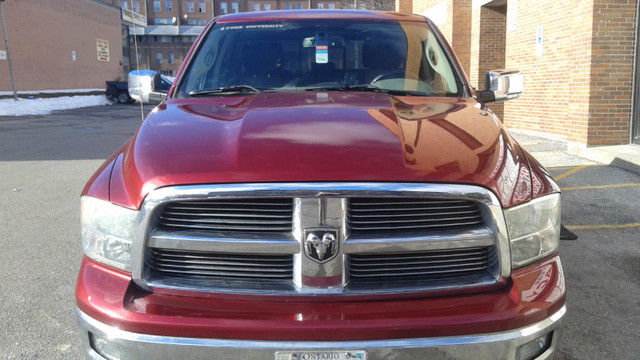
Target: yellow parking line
{"type": "Point", "coordinates": [593, 227]}
{"type": "Point", "coordinates": [573, 167]}
{"type": "Point", "coordinates": [598, 186]}
{"type": "Point", "coordinates": [570, 172]}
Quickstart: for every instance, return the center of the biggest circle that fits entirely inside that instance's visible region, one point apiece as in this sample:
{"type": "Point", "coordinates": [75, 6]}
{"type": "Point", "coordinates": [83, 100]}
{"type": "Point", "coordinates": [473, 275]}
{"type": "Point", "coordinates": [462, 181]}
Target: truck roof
{"type": "Point", "coordinates": [319, 14]}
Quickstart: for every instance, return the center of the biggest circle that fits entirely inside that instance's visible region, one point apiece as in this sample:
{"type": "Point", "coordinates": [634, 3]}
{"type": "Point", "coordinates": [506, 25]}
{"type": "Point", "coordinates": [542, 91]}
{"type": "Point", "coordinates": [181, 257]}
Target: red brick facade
{"type": "Point", "coordinates": [44, 36]}
{"type": "Point", "coordinates": [578, 72]}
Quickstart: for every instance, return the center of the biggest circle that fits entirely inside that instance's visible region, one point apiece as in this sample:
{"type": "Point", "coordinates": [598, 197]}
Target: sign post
{"type": "Point", "coordinates": [6, 45]}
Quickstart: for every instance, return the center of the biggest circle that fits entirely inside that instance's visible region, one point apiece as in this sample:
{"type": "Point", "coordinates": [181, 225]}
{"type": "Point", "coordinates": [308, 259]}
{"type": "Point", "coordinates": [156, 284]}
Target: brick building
{"type": "Point", "coordinates": [578, 58]}
{"type": "Point", "coordinates": [173, 25]}
{"type": "Point", "coordinates": [58, 45]}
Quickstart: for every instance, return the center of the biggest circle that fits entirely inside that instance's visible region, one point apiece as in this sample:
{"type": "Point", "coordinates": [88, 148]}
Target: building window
{"type": "Point", "coordinates": [124, 4]}
{"type": "Point", "coordinates": [256, 6]}
{"type": "Point", "coordinates": [331, 6]}
{"type": "Point", "coordinates": [234, 7]}
{"type": "Point", "coordinates": [159, 58]}
{"type": "Point", "coordinates": [167, 6]}
{"type": "Point", "coordinates": [136, 6]}
{"type": "Point", "coordinates": [156, 6]}
{"type": "Point", "coordinates": [287, 6]}
{"type": "Point", "coordinates": [299, 6]}
{"type": "Point", "coordinates": [202, 7]}
{"type": "Point", "coordinates": [171, 59]}
{"type": "Point", "coordinates": [139, 58]}
{"type": "Point", "coordinates": [190, 7]}
{"type": "Point", "coordinates": [267, 6]}
{"type": "Point", "coordinates": [223, 8]}
{"type": "Point", "coordinates": [320, 6]}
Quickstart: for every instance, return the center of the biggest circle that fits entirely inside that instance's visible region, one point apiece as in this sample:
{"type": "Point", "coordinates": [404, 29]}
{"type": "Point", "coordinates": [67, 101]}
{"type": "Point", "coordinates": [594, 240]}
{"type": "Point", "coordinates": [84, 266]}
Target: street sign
{"type": "Point", "coordinates": [134, 17]}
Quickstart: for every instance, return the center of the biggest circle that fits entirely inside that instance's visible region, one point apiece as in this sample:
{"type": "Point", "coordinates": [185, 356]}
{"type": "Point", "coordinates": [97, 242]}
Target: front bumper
{"type": "Point", "coordinates": [488, 325]}
{"type": "Point", "coordinates": [503, 345]}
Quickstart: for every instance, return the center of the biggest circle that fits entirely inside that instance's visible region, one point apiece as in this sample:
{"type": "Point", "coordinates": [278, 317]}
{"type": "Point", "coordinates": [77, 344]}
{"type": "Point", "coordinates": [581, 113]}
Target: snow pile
{"type": "Point", "coordinates": [10, 107]}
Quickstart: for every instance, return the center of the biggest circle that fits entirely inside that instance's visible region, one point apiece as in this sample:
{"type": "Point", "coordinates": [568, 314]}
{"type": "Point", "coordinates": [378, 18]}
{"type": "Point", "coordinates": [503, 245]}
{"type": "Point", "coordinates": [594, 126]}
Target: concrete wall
{"type": "Point", "coordinates": [44, 33]}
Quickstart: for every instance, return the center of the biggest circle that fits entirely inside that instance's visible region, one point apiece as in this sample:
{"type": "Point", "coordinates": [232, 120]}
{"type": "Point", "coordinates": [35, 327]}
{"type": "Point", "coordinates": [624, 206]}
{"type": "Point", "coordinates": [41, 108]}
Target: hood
{"type": "Point", "coordinates": [319, 137]}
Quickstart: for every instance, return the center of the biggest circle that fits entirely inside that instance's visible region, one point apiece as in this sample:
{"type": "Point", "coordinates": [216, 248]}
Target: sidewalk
{"type": "Point", "coordinates": [556, 152]}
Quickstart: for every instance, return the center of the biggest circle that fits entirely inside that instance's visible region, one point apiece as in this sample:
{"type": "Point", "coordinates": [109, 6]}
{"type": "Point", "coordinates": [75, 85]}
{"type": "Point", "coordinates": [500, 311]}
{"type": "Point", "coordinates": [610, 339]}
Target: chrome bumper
{"type": "Point", "coordinates": [492, 346]}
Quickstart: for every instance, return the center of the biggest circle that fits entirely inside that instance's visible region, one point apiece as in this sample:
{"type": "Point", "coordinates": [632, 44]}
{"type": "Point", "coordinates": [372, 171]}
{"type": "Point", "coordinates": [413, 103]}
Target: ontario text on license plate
{"type": "Point", "coordinates": [322, 355]}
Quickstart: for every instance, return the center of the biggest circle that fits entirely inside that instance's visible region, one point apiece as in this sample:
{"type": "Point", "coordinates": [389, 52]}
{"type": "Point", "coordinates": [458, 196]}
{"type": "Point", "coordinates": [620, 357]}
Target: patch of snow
{"type": "Point", "coordinates": [10, 107]}
{"type": "Point", "coordinates": [5, 93]}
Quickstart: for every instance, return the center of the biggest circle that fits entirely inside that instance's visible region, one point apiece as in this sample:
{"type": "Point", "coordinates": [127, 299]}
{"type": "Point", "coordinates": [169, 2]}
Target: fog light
{"type": "Point", "coordinates": [104, 347]}
{"type": "Point", "coordinates": [535, 348]}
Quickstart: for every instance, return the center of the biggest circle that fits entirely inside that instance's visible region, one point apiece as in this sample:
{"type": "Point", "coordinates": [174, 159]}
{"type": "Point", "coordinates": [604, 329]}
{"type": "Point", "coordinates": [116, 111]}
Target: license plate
{"type": "Point", "coordinates": [322, 355]}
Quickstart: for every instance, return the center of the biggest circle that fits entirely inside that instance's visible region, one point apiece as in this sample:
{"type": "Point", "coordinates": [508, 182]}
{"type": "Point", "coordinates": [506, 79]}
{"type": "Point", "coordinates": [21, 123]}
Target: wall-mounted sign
{"type": "Point", "coordinates": [539, 41]}
{"type": "Point", "coordinates": [3, 55]}
{"type": "Point", "coordinates": [134, 17]}
{"type": "Point", "coordinates": [103, 50]}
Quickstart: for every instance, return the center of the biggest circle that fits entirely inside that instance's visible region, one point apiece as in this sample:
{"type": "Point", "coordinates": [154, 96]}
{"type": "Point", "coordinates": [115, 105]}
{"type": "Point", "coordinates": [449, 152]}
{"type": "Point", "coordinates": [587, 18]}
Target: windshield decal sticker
{"type": "Point", "coordinates": [322, 49]}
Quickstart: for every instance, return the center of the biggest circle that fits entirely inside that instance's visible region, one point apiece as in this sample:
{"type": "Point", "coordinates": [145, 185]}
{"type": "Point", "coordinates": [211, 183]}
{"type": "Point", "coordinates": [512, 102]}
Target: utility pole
{"type": "Point", "coordinates": [6, 45]}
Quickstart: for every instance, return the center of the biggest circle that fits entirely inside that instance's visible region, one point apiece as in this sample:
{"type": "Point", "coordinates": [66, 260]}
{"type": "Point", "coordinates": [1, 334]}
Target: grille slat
{"type": "Point", "coordinates": [230, 215]}
{"type": "Point", "coordinates": [191, 263]}
{"type": "Point", "coordinates": [402, 214]}
{"type": "Point", "coordinates": [398, 215]}
{"type": "Point", "coordinates": [407, 265]}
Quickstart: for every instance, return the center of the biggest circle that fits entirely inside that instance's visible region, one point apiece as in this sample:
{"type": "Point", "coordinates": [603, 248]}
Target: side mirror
{"type": "Point", "coordinates": [156, 97]}
{"type": "Point", "coordinates": [148, 86]}
{"type": "Point", "coordinates": [502, 85]}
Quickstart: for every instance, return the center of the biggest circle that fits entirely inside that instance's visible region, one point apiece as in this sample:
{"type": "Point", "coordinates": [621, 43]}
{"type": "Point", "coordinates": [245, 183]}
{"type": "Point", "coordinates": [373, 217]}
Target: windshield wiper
{"type": "Point", "coordinates": [229, 90]}
{"type": "Point", "coordinates": [368, 87]}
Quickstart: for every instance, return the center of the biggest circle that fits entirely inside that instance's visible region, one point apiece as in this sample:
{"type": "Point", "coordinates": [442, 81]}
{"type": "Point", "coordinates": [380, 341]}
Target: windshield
{"type": "Point", "coordinates": [401, 57]}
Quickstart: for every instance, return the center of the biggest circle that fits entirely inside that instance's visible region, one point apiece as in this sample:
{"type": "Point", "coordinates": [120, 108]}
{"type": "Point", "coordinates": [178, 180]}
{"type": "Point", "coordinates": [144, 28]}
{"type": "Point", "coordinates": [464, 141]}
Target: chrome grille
{"type": "Point", "coordinates": [403, 215]}
{"type": "Point", "coordinates": [418, 266]}
{"type": "Point", "coordinates": [230, 215]}
{"type": "Point", "coordinates": [250, 239]}
{"type": "Point", "coordinates": [220, 265]}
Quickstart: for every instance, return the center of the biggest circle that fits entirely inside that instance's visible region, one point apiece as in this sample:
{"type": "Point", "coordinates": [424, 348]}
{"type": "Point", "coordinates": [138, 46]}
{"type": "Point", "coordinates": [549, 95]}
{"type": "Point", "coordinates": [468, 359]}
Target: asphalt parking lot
{"type": "Point", "coordinates": [602, 267]}
{"type": "Point", "coordinates": [46, 160]}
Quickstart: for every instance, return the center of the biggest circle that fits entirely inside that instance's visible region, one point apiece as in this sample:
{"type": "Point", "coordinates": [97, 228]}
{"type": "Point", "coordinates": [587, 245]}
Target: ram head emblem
{"type": "Point", "coordinates": [321, 246]}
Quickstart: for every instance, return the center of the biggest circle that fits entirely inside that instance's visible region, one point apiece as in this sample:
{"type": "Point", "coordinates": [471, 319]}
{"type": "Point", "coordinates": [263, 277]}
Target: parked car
{"type": "Point", "coordinates": [322, 185]}
{"type": "Point", "coordinates": [117, 91]}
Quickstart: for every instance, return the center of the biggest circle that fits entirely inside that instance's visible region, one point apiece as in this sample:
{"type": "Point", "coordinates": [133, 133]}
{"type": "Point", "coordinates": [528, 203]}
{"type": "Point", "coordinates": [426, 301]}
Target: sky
{"type": "Point", "coordinates": [22, 107]}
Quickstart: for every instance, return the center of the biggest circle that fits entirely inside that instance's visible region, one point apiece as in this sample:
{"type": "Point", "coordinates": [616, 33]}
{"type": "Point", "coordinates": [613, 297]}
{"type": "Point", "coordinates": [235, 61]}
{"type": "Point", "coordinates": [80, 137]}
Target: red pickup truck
{"type": "Point", "coordinates": [322, 185]}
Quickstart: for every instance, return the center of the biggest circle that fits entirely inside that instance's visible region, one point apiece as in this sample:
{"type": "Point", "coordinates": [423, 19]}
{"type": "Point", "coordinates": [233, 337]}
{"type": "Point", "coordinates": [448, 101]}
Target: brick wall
{"type": "Point", "coordinates": [461, 31]}
{"type": "Point", "coordinates": [578, 82]}
{"type": "Point", "coordinates": [404, 6]}
{"type": "Point", "coordinates": [44, 33]}
{"type": "Point", "coordinates": [488, 41]}
{"type": "Point", "coordinates": [453, 18]}
{"type": "Point", "coordinates": [556, 96]}
{"type": "Point", "coordinates": [611, 71]}
{"type": "Point", "coordinates": [581, 85]}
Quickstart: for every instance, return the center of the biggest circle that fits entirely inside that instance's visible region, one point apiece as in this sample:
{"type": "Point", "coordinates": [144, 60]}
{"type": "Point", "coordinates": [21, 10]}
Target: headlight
{"type": "Point", "coordinates": [107, 232]}
{"type": "Point", "coordinates": [534, 229]}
